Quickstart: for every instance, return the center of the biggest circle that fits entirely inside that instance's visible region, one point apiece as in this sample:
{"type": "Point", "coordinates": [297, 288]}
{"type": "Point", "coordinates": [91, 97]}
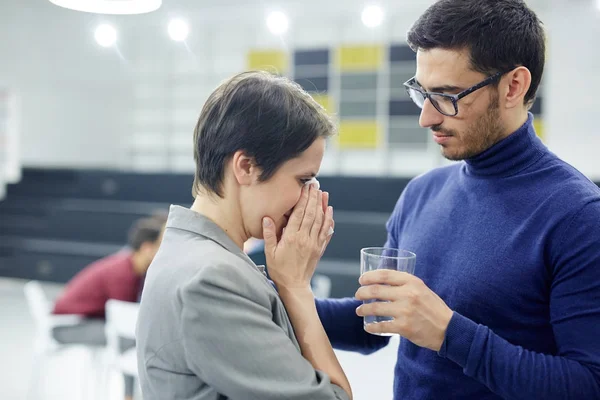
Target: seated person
{"type": "Point", "coordinates": [118, 276]}
{"type": "Point", "coordinates": [211, 325]}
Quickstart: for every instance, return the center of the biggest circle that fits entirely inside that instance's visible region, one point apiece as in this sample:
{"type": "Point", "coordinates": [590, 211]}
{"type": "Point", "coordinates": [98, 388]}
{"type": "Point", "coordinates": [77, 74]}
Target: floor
{"type": "Point", "coordinates": [63, 374]}
{"type": "Point", "coordinates": [370, 376]}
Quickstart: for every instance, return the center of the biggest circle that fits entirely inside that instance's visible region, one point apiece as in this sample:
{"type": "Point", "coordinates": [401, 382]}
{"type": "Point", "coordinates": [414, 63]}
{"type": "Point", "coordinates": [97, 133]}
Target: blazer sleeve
{"type": "Point", "coordinates": [232, 343]}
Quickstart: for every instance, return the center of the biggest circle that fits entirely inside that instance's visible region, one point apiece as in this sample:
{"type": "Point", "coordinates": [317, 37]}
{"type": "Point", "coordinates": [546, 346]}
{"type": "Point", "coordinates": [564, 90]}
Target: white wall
{"type": "Point", "coordinates": [173, 80]}
{"type": "Point", "coordinates": [73, 97]}
{"type": "Point", "coordinates": [573, 84]}
{"type": "Point", "coordinates": [85, 106]}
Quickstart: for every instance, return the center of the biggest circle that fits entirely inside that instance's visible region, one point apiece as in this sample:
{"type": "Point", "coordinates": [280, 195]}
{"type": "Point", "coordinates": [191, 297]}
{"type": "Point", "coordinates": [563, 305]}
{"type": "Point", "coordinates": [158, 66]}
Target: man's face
{"type": "Point", "coordinates": [478, 125]}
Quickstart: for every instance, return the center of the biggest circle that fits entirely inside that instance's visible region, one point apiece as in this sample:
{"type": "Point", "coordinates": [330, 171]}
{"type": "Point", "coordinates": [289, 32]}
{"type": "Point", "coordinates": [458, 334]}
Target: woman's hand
{"type": "Point", "coordinates": [292, 260]}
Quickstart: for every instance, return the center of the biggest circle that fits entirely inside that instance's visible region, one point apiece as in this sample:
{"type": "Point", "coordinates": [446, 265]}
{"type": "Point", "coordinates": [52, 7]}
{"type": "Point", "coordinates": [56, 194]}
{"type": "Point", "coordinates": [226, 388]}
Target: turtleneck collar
{"type": "Point", "coordinates": [510, 155]}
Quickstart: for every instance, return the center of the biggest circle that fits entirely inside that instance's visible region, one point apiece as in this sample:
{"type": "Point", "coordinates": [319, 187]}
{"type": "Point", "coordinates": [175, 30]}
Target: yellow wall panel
{"type": "Point", "coordinates": [275, 61]}
{"type": "Point", "coordinates": [357, 134]}
{"type": "Point", "coordinates": [359, 58]}
{"type": "Point", "coordinates": [538, 125]}
{"type": "Point", "coordinates": [326, 101]}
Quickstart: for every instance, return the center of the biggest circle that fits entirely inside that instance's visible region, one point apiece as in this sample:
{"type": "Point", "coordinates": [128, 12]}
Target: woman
{"type": "Point", "coordinates": [211, 326]}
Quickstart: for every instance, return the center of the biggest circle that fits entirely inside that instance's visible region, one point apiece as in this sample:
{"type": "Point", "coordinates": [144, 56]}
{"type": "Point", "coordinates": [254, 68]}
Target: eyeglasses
{"type": "Point", "coordinates": [446, 104]}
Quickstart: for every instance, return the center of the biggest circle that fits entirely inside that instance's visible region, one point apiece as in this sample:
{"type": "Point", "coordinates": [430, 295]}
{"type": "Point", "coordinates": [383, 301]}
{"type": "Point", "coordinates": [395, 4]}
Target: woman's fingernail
{"type": "Point", "coordinates": [266, 222]}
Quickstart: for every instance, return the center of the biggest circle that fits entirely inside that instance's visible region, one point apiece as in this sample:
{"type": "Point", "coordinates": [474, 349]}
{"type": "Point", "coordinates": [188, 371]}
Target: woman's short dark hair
{"type": "Point", "coordinates": [500, 34]}
{"type": "Point", "coordinates": [270, 118]}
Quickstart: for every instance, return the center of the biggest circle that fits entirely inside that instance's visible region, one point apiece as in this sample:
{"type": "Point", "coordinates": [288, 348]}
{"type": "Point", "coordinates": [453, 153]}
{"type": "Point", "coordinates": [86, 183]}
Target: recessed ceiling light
{"type": "Point", "coordinates": [277, 22]}
{"type": "Point", "coordinates": [372, 16]}
{"type": "Point", "coordinates": [110, 6]}
{"type": "Point", "coordinates": [105, 35]}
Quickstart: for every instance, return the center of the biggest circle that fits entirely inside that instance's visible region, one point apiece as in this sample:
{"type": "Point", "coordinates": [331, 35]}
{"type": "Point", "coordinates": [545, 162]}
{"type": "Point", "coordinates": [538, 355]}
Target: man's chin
{"type": "Point", "coordinates": [450, 155]}
{"type": "Point", "coordinates": [457, 154]}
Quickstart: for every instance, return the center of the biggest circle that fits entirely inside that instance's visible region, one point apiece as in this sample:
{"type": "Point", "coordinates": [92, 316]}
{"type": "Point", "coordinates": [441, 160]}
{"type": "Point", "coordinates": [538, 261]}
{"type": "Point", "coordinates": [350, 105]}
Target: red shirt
{"type": "Point", "coordinates": [111, 277]}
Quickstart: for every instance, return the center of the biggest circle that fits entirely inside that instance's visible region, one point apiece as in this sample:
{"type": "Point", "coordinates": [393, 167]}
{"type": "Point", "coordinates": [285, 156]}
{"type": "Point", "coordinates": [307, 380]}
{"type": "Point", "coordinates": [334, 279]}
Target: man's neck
{"type": "Point", "coordinates": [515, 122]}
{"type": "Point", "coordinates": [139, 264]}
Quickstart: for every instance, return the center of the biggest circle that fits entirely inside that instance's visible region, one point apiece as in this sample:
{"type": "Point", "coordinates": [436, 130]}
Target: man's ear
{"type": "Point", "coordinates": [516, 84]}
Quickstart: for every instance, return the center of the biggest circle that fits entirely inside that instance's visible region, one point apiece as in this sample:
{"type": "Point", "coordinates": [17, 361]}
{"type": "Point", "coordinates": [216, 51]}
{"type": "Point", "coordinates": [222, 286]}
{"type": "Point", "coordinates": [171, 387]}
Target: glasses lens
{"type": "Point", "coordinates": [416, 96]}
{"type": "Point", "coordinates": [443, 104]}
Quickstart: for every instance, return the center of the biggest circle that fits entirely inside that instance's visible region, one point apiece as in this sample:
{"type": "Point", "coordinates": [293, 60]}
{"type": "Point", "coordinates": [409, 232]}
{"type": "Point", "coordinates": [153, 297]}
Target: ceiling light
{"type": "Point", "coordinates": [277, 23]}
{"type": "Point", "coordinates": [372, 16]}
{"type": "Point", "coordinates": [105, 35]}
{"type": "Point", "coordinates": [178, 30]}
{"type": "Point", "coordinates": [110, 6]}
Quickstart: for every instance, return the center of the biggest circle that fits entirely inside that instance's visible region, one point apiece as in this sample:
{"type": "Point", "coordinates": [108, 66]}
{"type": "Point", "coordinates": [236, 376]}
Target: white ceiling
{"type": "Point", "coordinates": [312, 6]}
{"type": "Point", "coordinates": [230, 11]}
{"type": "Point", "coordinates": [245, 10]}
{"type": "Point", "coordinates": [298, 8]}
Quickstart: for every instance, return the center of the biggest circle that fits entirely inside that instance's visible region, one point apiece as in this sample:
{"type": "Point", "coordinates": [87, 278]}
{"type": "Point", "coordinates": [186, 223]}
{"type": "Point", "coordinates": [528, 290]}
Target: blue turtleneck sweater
{"type": "Point", "coordinates": [510, 240]}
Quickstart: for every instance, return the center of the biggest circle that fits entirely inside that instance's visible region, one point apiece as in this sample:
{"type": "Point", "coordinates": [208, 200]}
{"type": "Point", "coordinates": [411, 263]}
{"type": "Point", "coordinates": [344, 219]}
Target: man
{"type": "Point", "coordinates": [505, 301]}
{"type": "Point", "coordinates": [118, 276]}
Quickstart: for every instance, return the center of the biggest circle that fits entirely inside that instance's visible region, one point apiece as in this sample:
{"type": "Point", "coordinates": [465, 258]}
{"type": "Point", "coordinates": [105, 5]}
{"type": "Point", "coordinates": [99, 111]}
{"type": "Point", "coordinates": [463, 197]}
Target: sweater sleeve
{"type": "Point", "coordinates": [338, 316]}
{"type": "Point", "coordinates": [345, 329]}
{"type": "Point", "coordinates": [574, 371]}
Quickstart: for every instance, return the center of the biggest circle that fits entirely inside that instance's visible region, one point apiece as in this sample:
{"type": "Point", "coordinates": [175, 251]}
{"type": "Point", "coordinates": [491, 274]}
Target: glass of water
{"type": "Point", "coordinates": [374, 258]}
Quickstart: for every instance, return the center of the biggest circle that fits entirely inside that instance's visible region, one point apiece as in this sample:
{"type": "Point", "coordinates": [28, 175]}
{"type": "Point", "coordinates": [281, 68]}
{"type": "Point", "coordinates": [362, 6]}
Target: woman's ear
{"type": "Point", "coordinates": [244, 168]}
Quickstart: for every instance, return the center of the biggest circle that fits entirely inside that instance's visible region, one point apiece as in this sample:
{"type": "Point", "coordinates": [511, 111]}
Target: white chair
{"type": "Point", "coordinates": [121, 319]}
{"type": "Point", "coordinates": [321, 286]}
{"type": "Point", "coordinates": [45, 344]}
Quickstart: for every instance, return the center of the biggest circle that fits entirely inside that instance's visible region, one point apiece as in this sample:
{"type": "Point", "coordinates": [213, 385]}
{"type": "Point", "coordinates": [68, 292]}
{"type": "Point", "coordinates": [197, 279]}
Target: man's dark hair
{"type": "Point", "coordinates": [145, 230]}
{"type": "Point", "coordinates": [500, 34]}
{"type": "Point", "coordinates": [270, 118]}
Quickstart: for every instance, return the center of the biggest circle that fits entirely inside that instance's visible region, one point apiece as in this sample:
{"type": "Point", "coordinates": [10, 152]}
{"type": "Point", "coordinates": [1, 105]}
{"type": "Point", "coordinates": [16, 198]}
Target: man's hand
{"type": "Point", "coordinates": [419, 314]}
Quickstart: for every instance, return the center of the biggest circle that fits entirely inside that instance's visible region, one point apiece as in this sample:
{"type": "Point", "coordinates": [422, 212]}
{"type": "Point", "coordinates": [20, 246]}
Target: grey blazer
{"type": "Point", "coordinates": [212, 327]}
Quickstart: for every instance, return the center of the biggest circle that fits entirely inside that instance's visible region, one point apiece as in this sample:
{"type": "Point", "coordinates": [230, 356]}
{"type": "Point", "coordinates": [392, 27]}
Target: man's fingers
{"type": "Point", "coordinates": [385, 277]}
{"type": "Point", "coordinates": [377, 292]}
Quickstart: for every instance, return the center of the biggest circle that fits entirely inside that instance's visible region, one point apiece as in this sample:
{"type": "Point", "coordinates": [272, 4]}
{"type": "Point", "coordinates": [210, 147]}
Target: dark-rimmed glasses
{"type": "Point", "coordinates": [446, 104]}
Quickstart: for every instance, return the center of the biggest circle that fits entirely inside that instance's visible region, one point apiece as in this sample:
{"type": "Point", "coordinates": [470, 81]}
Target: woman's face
{"type": "Point", "coordinates": [277, 196]}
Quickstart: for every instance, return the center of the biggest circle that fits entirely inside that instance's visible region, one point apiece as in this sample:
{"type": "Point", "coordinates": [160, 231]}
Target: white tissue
{"type": "Point", "coordinates": [315, 181]}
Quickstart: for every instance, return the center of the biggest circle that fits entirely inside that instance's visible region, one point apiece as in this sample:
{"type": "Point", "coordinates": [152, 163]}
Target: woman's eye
{"type": "Point", "coordinates": [304, 181]}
